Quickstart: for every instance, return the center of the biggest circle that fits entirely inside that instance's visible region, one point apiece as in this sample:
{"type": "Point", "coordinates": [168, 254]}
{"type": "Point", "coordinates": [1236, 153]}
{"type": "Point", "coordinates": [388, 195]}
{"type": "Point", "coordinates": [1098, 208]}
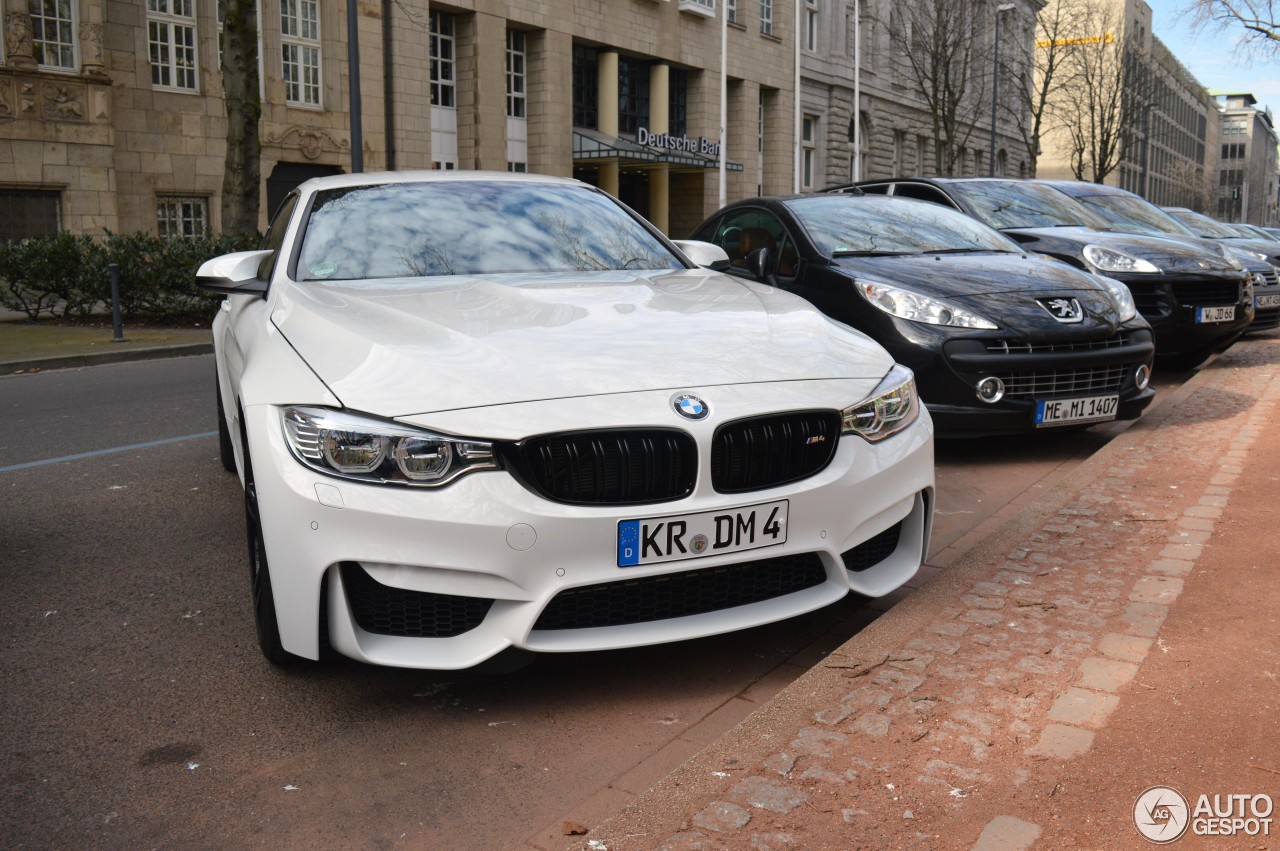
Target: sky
{"type": "Point", "coordinates": [1208, 55]}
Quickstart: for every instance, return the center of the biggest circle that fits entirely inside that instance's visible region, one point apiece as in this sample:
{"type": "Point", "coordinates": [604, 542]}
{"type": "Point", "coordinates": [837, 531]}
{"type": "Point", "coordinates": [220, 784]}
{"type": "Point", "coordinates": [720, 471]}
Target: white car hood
{"type": "Point", "coordinates": [404, 347]}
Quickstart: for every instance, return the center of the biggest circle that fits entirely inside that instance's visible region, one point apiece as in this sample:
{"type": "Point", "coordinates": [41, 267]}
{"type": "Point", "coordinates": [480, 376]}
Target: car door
{"type": "Point", "coordinates": [743, 231]}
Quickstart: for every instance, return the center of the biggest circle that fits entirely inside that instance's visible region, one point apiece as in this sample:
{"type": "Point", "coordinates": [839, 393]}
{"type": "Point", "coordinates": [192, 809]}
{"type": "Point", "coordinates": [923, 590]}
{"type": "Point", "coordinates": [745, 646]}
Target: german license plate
{"type": "Point", "coordinates": [1091, 409]}
{"type": "Point", "coordinates": [683, 536]}
{"type": "Point", "coordinates": [1215, 314]}
{"type": "Point", "coordinates": [1267, 300]}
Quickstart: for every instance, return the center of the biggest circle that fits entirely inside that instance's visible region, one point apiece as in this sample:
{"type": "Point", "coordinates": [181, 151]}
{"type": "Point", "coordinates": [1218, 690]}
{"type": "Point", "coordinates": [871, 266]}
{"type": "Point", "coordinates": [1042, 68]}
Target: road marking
{"type": "Point", "coordinates": [97, 452]}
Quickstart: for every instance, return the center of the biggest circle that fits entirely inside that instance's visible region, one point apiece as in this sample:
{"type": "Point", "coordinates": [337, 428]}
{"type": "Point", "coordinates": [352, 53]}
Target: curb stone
{"type": "Point", "coordinates": [96, 358]}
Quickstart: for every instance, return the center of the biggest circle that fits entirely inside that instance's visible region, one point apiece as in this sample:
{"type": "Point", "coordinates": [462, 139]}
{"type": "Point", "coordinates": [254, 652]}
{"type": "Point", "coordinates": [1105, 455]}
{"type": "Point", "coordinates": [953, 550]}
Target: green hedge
{"type": "Point", "coordinates": [65, 276]}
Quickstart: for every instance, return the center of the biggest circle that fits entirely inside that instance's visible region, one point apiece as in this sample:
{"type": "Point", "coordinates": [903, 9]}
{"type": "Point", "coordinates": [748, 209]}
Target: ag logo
{"type": "Point", "coordinates": [1161, 814]}
{"type": "Point", "coordinates": [1065, 310]}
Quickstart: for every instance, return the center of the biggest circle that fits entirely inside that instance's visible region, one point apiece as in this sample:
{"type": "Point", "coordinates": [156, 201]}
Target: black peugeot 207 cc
{"type": "Point", "coordinates": [1000, 340]}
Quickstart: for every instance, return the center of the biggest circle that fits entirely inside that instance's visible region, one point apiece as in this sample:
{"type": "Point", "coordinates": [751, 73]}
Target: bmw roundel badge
{"type": "Point", "coordinates": [690, 407]}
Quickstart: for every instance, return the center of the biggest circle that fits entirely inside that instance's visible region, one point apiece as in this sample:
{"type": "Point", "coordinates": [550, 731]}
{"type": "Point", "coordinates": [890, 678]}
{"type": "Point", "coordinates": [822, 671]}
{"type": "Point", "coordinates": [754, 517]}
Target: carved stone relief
{"type": "Point", "coordinates": [310, 140]}
{"type": "Point", "coordinates": [64, 102]}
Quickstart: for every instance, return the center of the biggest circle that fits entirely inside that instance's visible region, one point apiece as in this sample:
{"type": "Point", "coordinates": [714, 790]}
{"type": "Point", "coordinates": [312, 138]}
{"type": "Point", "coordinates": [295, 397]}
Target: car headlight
{"type": "Point", "coordinates": [918, 308]}
{"type": "Point", "coordinates": [1110, 260]}
{"type": "Point", "coordinates": [1124, 298]}
{"type": "Point", "coordinates": [1252, 255]}
{"type": "Point", "coordinates": [352, 446]}
{"type": "Point", "coordinates": [890, 408]}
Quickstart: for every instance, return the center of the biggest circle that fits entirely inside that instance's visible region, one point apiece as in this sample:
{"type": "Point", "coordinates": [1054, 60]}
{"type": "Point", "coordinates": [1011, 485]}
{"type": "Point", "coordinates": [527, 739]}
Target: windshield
{"type": "Point", "coordinates": [1008, 204]}
{"type": "Point", "coordinates": [449, 227]}
{"type": "Point", "coordinates": [1203, 225]}
{"type": "Point", "coordinates": [847, 225]}
{"type": "Point", "coordinates": [1132, 215]}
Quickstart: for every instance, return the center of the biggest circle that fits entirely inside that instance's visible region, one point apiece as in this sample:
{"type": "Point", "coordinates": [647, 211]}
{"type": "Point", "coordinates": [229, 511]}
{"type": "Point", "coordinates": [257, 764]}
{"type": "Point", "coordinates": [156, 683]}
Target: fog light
{"type": "Point", "coordinates": [991, 389]}
{"type": "Point", "coordinates": [1142, 377]}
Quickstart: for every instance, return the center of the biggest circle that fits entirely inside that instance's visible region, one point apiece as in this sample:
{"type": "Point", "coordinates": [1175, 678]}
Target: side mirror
{"type": "Point", "coordinates": [704, 254]}
{"type": "Point", "coordinates": [758, 263]}
{"type": "Point", "coordinates": [233, 274]}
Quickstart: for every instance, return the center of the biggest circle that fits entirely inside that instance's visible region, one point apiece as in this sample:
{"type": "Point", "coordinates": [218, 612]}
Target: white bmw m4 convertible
{"type": "Point", "coordinates": [478, 411]}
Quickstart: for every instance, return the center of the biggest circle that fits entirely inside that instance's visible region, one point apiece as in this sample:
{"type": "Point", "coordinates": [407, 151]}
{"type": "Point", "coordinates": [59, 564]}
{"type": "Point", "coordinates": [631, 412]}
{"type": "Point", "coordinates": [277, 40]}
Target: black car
{"type": "Point", "coordinates": [1000, 340]}
{"type": "Point", "coordinates": [1196, 301]}
{"type": "Point", "coordinates": [1129, 213]}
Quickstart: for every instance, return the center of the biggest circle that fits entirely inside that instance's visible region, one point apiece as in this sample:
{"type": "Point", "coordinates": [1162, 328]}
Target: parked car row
{"type": "Point", "coordinates": [474, 412]}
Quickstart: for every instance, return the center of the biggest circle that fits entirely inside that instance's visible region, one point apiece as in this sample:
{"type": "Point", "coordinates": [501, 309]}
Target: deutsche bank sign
{"type": "Point", "coordinates": [687, 144]}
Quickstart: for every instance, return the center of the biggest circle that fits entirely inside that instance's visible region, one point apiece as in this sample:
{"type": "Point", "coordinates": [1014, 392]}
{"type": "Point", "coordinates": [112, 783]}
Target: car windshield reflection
{"type": "Point", "coordinates": [1132, 215]}
{"type": "Point", "coordinates": [845, 226]}
{"type": "Point", "coordinates": [398, 230]}
{"type": "Point", "coordinates": [1024, 205]}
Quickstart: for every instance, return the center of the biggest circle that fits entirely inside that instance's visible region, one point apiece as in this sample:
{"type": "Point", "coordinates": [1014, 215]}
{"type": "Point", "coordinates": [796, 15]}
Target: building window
{"type": "Point", "coordinates": [516, 74]}
{"type": "Point", "coordinates": [678, 102]}
{"type": "Point", "coordinates": [29, 213]}
{"type": "Point", "coordinates": [585, 87]}
{"type": "Point", "coordinates": [731, 9]}
{"type": "Point", "coordinates": [300, 51]}
{"type": "Point", "coordinates": [53, 34]}
{"type": "Point", "coordinates": [977, 163]}
{"type": "Point", "coordinates": [443, 76]}
{"type": "Point", "coordinates": [171, 40]}
{"type": "Point", "coordinates": [633, 94]}
{"type": "Point", "coordinates": [899, 148]}
{"type": "Point", "coordinates": [811, 25]}
{"type": "Point", "coordinates": [922, 151]}
{"type": "Point", "coordinates": [519, 168]}
{"type": "Point", "coordinates": [766, 17]}
{"type": "Point", "coordinates": [1002, 163]}
{"type": "Point", "coordinates": [808, 130]}
{"type": "Point", "coordinates": [1233, 151]}
{"type": "Point", "coordinates": [443, 165]}
{"type": "Point", "coordinates": [185, 217]}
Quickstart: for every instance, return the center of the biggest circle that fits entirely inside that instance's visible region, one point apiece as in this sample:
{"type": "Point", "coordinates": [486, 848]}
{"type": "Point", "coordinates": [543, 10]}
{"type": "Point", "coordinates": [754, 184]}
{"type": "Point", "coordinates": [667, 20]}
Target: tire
{"type": "Point", "coordinates": [226, 452]}
{"type": "Point", "coordinates": [264, 602]}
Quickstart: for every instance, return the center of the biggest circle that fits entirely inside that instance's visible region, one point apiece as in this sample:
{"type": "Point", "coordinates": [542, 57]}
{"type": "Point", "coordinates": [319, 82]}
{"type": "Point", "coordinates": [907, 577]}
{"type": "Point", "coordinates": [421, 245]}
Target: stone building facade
{"type": "Point", "coordinates": [112, 118]}
{"type": "Point", "coordinates": [1245, 189]}
{"type": "Point", "coordinates": [1169, 119]}
{"type": "Point", "coordinates": [896, 132]}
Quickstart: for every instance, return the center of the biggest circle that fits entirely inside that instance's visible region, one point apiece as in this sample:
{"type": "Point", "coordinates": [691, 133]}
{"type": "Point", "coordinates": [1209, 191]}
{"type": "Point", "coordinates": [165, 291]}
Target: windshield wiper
{"type": "Point", "coordinates": [851, 253]}
{"type": "Point", "coordinates": [962, 251]}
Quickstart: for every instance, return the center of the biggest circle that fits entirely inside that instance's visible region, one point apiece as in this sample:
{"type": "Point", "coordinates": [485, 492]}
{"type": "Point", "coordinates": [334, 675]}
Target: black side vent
{"type": "Point", "coordinates": [384, 610]}
{"type": "Point", "coordinates": [764, 452]}
{"type": "Point", "coordinates": [873, 550]}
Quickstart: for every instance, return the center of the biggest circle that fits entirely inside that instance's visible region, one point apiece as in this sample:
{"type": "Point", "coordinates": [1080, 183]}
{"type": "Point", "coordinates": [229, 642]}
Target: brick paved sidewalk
{"type": "Point", "coordinates": [940, 724]}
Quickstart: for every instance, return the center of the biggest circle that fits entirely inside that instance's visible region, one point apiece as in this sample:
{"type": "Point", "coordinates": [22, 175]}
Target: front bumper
{"type": "Point", "coordinates": [488, 538]}
{"type": "Point", "coordinates": [1170, 303]}
{"type": "Point", "coordinates": [1266, 318]}
{"type": "Point", "coordinates": [948, 369]}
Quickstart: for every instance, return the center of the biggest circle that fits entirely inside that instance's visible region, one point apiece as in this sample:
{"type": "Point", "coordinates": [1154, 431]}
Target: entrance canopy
{"type": "Point", "coordinates": [594, 146]}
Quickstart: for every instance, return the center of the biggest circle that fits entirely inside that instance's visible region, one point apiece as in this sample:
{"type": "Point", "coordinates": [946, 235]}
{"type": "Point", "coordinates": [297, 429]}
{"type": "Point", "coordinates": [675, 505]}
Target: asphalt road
{"type": "Point", "coordinates": [136, 710]}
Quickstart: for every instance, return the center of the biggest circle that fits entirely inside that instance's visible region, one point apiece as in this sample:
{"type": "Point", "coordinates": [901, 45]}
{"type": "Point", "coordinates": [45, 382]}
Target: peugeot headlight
{"type": "Point", "coordinates": [918, 308]}
{"type": "Point", "coordinates": [1124, 298]}
{"type": "Point", "coordinates": [1109, 260]}
{"type": "Point", "coordinates": [352, 446]}
{"type": "Point", "coordinates": [890, 408]}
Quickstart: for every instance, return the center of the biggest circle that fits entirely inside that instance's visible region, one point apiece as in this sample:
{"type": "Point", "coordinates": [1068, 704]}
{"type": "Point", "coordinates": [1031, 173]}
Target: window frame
{"type": "Point", "coordinates": [443, 87]}
{"type": "Point", "coordinates": [293, 38]}
{"type": "Point", "coordinates": [172, 21]}
{"type": "Point", "coordinates": [517, 74]}
{"type": "Point", "coordinates": [766, 17]}
{"type": "Point", "coordinates": [70, 25]}
{"type": "Point", "coordinates": [179, 220]}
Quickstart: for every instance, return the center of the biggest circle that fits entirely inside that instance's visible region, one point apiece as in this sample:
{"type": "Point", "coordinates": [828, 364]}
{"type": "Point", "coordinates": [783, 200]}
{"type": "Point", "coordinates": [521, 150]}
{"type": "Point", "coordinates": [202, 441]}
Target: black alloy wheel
{"type": "Point", "coordinates": [264, 603]}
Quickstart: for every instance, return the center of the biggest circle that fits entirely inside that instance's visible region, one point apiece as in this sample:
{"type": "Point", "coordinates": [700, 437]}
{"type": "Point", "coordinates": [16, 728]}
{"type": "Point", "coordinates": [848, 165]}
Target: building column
{"type": "Point", "coordinates": [17, 31]}
{"type": "Point", "coordinates": [607, 112]}
{"type": "Point", "coordinates": [659, 123]}
{"type": "Point", "coordinates": [550, 63]}
{"type": "Point", "coordinates": [92, 60]}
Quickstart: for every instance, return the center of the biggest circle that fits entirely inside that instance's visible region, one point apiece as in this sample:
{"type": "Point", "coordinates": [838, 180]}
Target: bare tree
{"type": "Point", "coordinates": [240, 86]}
{"type": "Point", "coordinates": [1260, 19]}
{"type": "Point", "coordinates": [942, 52]}
{"type": "Point", "coordinates": [1106, 108]}
{"type": "Point", "coordinates": [1031, 106]}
